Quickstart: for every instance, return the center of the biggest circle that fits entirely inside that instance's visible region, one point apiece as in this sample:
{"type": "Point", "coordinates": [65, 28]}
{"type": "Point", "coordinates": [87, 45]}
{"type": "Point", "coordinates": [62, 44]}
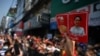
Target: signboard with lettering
{"type": "Point", "coordinates": [62, 6]}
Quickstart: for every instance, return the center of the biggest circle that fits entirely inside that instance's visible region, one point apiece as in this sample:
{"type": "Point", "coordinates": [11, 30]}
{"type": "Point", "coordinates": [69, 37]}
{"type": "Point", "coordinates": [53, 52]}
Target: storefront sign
{"type": "Point", "coordinates": [32, 23]}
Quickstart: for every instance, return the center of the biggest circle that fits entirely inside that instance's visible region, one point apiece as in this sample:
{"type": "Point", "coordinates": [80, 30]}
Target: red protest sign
{"type": "Point", "coordinates": [78, 26]}
{"type": "Point", "coordinates": [62, 23]}
{"type": "Point", "coordinates": [74, 24]}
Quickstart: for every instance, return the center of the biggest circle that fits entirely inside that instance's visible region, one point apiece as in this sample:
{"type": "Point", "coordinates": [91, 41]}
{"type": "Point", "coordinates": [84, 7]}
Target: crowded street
{"type": "Point", "coordinates": [49, 27]}
{"type": "Point", "coordinates": [37, 46]}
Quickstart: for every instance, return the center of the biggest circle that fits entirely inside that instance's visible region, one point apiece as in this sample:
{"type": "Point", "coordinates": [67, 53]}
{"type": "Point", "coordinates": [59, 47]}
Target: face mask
{"type": "Point", "coordinates": [5, 47]}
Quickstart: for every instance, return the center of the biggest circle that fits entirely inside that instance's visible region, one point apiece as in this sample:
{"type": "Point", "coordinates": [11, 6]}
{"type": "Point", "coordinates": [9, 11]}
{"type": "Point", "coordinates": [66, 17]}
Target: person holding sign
{"type": "Point", "coordinates": [77, 30]}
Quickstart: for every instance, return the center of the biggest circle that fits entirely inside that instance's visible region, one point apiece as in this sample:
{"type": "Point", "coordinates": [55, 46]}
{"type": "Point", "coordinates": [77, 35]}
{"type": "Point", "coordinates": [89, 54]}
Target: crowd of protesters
{"type": "Point", "coordinates": [88, 50]}
{"type": "Point", "coordinates": [37, 46]}
{"type": "Point", "coordinates": [29, 46]}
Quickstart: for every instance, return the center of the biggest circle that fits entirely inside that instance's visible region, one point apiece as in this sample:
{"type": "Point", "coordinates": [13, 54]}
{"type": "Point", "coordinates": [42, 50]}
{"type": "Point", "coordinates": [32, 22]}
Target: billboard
{"type": "Point", "coordinates": [63, 6]}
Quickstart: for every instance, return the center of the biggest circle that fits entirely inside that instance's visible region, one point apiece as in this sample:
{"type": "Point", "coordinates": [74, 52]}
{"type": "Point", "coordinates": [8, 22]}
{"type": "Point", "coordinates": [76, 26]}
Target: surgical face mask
{"type": "Point", "coordinates": [5, 47]}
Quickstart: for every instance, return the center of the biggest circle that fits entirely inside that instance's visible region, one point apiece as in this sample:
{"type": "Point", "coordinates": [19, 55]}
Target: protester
{"type": "Point", "coordinates": [38, 46]}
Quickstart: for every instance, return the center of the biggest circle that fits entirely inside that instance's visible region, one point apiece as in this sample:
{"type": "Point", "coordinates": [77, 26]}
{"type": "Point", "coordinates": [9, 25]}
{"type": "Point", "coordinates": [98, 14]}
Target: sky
{"type": "Point", "coordinates": [5, 6]}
